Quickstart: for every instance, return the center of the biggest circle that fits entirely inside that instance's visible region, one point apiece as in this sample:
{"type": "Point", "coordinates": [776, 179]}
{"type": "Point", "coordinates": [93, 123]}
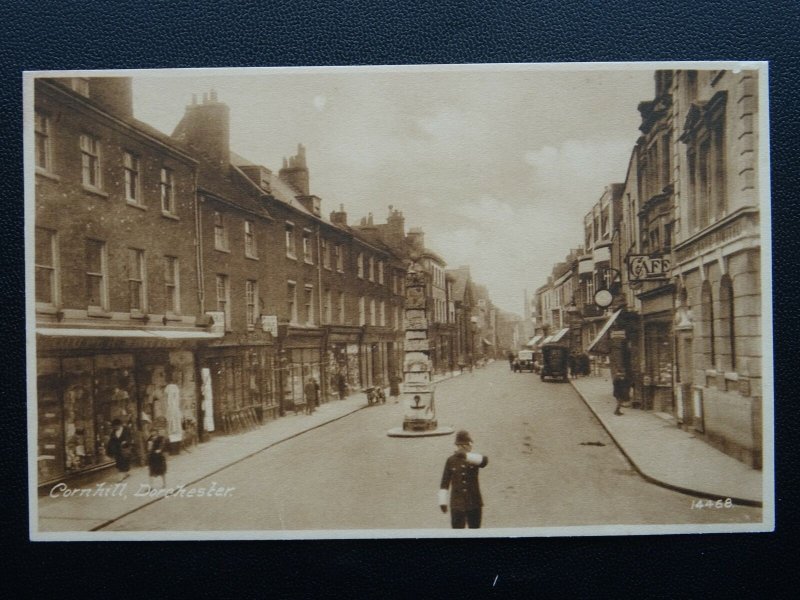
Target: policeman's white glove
{"type": "Point", "coordinates": [474, 458]}
{"type": "Point", "coordinates": [443, 500]}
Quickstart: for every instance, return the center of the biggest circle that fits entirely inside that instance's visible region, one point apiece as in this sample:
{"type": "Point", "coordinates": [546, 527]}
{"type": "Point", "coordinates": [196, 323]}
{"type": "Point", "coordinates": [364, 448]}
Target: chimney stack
{"type": "Point", "coordinates": [339, 218]}
{"type": "Point", "coordinates": [206, 129]}
{"type": "Point", "coordinates": [295, 171]}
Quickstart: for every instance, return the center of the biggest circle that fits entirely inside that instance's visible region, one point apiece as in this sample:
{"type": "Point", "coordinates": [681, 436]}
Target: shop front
{"type": "Point", "coordinates": [342, 365]}
{"type": "Point", "coordinates": [301, 359]}
{"type": "Point", "coordinates": [377, 355]}
{"type": "Point", "coordinates": [85, 381]}
{"type": "Point", "coordinates": [242, 379]}
{"type": "Point", "coordinates": [658, 349]}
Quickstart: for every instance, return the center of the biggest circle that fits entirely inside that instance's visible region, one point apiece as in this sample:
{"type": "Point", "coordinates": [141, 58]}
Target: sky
{"type": "Point", "coordinates": [497, 164]}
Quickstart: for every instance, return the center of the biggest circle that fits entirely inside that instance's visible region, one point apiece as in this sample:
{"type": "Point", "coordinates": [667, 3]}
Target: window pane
{"type": "Point", "coordinates": [44, 285]}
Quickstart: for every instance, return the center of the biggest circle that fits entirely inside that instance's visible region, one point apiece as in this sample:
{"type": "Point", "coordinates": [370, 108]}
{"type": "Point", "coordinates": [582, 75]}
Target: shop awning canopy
{"type": "Point", "coordinates": [127, 333]}
{"type": "Point", "coordinates": [604, 330]}
{"type": "Point", "coordinates": [534, 340]}
{"type": "Point", "coordinates": [559, 334]}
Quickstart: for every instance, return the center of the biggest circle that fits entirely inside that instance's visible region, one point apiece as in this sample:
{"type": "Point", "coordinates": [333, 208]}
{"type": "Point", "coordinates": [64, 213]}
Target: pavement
{"type": "Point", "coordinates": [665, 454]}
{"type": "Point", "coordinates": [96, 502]}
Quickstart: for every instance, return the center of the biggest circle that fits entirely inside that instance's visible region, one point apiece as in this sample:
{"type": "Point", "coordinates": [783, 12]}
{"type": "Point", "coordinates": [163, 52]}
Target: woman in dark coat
{"type": "Point", "coordinates": [120, 447]}
{"type": "Point", "coordinates": [156, 461]}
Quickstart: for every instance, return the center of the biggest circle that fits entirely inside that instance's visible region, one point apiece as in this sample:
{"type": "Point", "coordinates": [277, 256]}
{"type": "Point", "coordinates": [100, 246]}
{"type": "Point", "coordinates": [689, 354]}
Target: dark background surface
{"type": "Point", "coordinates": [200, 33]}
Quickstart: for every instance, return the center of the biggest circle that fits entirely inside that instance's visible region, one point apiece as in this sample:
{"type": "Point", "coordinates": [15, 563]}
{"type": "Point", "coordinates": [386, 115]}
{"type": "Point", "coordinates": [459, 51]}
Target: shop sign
{"type": "Point", "coordinates": [643, 267]}
{"type": "Point", "coordinates": [270, 323]}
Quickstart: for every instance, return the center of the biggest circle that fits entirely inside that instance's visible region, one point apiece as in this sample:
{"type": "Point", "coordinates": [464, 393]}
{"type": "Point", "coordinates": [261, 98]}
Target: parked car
{"type": "Point", "coordinates": [524, 361]}
{"type": "Point", "coordinates": [555, 362]}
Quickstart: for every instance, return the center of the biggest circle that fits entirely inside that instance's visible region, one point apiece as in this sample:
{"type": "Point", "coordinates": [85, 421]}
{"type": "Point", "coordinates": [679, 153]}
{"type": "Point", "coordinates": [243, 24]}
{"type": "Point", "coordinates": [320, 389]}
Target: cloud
{"type": "Point", "coordinates": [488, 210]}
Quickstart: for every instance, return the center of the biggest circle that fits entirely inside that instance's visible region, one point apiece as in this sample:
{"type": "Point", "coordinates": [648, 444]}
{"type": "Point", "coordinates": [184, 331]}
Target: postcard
{"type": "Point", "coordinates": [430, 301]}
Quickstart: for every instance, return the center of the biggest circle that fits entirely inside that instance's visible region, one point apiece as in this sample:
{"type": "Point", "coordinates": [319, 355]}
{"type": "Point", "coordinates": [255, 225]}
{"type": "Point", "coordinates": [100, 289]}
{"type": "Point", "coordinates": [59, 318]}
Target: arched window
{"type": "Point", "coordinates": [727, 330]}
{"type": "Point", "coordinates": [707, 304]}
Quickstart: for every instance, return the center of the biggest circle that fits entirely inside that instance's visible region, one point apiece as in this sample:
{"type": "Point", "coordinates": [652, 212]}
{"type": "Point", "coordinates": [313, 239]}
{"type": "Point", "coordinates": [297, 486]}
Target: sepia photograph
{"type": "Point", "coordinates": [428, 301]}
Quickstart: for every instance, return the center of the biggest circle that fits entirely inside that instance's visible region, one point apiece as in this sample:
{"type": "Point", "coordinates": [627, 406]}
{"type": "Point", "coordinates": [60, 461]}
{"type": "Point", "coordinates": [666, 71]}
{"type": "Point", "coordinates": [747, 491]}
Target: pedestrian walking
{"type": "Point", "coordinates": [572, 361]}
{"type": "Point", "coordinates": [156, 461]}
{"type": "Point", "coordinates": [120, 448]}
{"type": "Point", "coordinates": [621, 387]}
{"type": "Point", "coordinates": [394, 387]}
{"type": "Point", "coordinates": [511, 358]}
{"type": "Point", "coordinates": [341, 384]}
{"type": "Point", "coordinates": [310, 391]}
{"type": "Point", "coordinates": [460, 478]}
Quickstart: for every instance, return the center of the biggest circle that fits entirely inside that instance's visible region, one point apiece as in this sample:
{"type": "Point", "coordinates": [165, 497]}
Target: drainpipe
{"type": "Point", "coordinates": [199, 248]}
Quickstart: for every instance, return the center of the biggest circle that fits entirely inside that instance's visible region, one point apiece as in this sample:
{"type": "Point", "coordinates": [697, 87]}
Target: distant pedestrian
{"type": "Point", "coordinates": [584, 364]}
{"type": "Point", "coordinates": [394, 387]}
{"type": "Point", "coordinates": [341, 384]}
{"type": "Point", "coordinates": [461, 478]}
{"type": "Point", "coordinates": [156, 461]}
{"type": "Point", "coordinates": [120, 447]}
{"type": "Point", "coordinates": [572, 361]}
{"type": "Point", "coordinates": [511, 358]}
{"type": "Point", "coordinates": [310, 391]}
{"type": "Point", "coordinates": [621, 387]}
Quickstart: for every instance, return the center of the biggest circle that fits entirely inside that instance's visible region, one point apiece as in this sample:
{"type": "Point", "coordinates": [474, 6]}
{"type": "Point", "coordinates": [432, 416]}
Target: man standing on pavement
{"type": "Point", "coordinates": [311, 395]}
{"type": "Point", "coordinates": [621, 387]}
{"type": "Point", "coordinates": [461, 477]}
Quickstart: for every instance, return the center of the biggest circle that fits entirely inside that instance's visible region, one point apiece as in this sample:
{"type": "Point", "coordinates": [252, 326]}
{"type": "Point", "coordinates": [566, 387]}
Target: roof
{"type": "Point", "coordinates": [460, 281]}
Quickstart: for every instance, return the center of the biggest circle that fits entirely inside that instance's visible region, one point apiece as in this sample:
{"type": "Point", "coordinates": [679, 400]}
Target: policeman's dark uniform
{"type": "Point", "coordinates": [461, 476]}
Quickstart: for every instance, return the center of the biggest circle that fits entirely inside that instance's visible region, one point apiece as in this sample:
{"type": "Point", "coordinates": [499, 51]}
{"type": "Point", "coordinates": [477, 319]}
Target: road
{"type": "Point", "coordinates": [551, 464]}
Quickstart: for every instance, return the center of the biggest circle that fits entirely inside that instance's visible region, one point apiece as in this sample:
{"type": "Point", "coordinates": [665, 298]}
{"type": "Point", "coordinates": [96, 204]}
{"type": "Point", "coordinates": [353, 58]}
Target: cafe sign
{"type": "Point", "coordinates": [648, 267]}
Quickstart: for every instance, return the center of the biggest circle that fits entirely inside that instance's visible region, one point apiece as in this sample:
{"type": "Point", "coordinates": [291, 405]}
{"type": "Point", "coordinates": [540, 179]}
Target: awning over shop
{"type": "Point", "coordinates": [559, 334]}
{"type": "Point", "coordinates": [604, 330]}
{"type": "Point", "coordinates": [534, 340]}
{"type": "Point", "coordinates": [127, 333]}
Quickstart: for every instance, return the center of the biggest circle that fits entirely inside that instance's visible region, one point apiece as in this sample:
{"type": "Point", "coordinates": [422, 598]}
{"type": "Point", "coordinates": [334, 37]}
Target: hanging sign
{"type": "Point", "coordinates": [644, 267]}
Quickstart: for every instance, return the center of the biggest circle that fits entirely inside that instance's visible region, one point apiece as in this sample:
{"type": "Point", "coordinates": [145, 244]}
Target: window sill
{"type": "Point", "coordinates": [169, 215]}
{"type": "Point", "coordinates": [137, 314]}
{"type": "Point", "coordinates": [97, 312]}
{"type": "Point", "coordinates": [47, 309]}
{"type": "Point", "coordinates": [133, 204]}
{"type": "Point", "coordinates": [95, 191]}
{"type": "Point", "coordinates": [171, 316]}
{"type": "Point", "coordinates": [47, 174]}
{"type": "Point", "coordinates": [291, 256]}
{"type": "Point", "coordinates": [250, 257]}
{"type": "Point", "coordinates": [308, 262]}
{"type": "Point", "coordinates": [225, 250]}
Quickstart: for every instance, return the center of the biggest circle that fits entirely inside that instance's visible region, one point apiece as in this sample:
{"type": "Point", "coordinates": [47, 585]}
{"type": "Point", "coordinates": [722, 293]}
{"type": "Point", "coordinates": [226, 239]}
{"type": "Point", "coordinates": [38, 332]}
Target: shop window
{"type": "Point", "coordinates": [90, 161]}
{"type": "Point", "coordinates": [707, 308]}
{"type": "Point", "coordinates": [172, 280]}
{"type": "Point", "coordinates": [727, 329]}
{"type": "Point", "coordinates": [46, 267]}
{"type": "Point", "coordinates": [96, 274]}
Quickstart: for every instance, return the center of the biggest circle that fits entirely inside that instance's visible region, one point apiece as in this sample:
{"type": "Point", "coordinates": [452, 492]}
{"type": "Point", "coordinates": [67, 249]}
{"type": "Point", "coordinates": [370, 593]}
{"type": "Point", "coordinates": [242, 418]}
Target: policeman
{"type": "Point", "coordinates": [461, 477]}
